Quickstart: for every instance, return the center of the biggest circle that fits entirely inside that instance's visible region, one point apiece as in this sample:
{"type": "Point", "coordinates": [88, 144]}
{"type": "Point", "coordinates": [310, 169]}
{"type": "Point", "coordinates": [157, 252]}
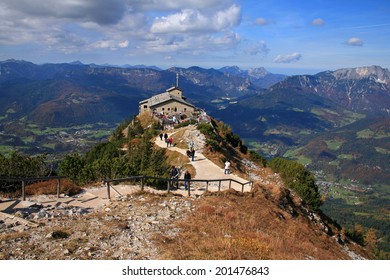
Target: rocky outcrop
{"type": "Point", "coordinates": [125, 229]}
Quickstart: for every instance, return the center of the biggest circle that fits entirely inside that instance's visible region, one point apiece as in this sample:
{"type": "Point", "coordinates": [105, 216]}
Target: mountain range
{"type": "Point", "coordinates": [336, 123]}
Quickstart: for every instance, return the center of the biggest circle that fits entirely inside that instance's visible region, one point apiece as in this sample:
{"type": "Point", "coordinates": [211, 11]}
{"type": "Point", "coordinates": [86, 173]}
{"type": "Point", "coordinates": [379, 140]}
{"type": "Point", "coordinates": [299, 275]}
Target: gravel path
{"type": "Point", "coordinates": [205, 168]}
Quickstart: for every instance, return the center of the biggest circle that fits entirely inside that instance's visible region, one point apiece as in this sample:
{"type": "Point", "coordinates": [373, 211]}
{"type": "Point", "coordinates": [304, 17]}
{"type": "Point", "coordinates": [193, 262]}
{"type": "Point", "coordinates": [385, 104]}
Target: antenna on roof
{"type": "Point", "coordinates": [177, 80]}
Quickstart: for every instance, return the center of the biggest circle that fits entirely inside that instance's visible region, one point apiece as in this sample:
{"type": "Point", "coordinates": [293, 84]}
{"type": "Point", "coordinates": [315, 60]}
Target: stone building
{"type": "Point", "coordinates": [171, 101]}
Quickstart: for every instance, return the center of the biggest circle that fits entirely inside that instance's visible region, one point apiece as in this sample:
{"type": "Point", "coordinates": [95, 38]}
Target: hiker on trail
{"type": "Point", "coordinates": [161, 136]}
{"type": "Point", "coordinates": [174, 176]}
{"type": "Point", "coordinates": [165, 136]}
{"type": "Point", "coordinates": [192, 154]}
{"type": "Point", "coordinates": [170, 141]}
{"type": "Point", "coordinates": [187, 178]}
{"type": "Point", "coordinates": [191, 144]}
{"type": "Point", "coordinates": [227, 167]}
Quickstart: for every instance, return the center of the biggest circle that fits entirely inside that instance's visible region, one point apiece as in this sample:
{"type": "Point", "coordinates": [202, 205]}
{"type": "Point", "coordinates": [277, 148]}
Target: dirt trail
{"type": "Point", "coordinates": [205, 168]}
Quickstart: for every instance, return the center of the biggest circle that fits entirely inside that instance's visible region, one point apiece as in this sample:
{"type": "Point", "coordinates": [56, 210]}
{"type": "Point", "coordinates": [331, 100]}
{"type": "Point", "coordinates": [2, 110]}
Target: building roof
{"type": "Point", "coordinates": [168, 99]}
{"type": "Point", "coordinates": [164, 97]}
{"type": "Point", "coordinates": [173, 88]}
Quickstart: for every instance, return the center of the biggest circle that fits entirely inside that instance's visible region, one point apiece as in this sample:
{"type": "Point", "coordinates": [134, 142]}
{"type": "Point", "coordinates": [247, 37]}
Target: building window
{"type": "Point", "coordinates": [145, 106]}
{"type": "Point", "coordinates": [163, 109]}
{"type": "Point", "coordinates": [169, 109]}
{"type": "Point", "coordinates": [185, 109]}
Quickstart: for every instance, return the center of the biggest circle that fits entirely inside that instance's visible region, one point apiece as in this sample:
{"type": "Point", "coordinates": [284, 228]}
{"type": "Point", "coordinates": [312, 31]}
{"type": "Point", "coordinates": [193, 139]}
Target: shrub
{"type": "Point", "coordinates": [257, 158]}
{"type": "Point", "coordinates": [243, 149]}
{"type": "Point", "coordinates": [186, 123]}
{"type": "Point", "coordinates": [206, 129]}
{"type": "Point", "coordinates": [213, 144]}
{"type": "Point", "coordinates": [296, 177]}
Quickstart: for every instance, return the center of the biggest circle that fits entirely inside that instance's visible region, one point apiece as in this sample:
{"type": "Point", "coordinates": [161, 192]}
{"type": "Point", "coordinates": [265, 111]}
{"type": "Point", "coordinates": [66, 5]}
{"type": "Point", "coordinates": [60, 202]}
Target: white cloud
{"type": "Point", "coordinates": [354, 41]}
{"type": "Point", "coordinates": [99, 11]}
{"type": "Point", "coordinates": [123, 44]}
{"type": "Point", "coordinates": [192, 20]}
{"type": "Point", "coordinates": [81, 26]}
{"type": "Point", "coordinates": [260, 48]}
{"type": "Point", "coordinates": [168, 5]}
{"type": "Point", "coordinates": [227, 18]}
{"type": "Point", "coordinates": [262, 21]}
{"type": "Point", "coordinates": [318, 22]}
{"type": "Point", "coordinates": [289, 58]}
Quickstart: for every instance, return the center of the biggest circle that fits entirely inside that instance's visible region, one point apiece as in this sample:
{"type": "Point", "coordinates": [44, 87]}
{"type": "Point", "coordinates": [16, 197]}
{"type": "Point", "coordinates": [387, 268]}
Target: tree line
{"type": "Point", "coordinates": [104, 161]}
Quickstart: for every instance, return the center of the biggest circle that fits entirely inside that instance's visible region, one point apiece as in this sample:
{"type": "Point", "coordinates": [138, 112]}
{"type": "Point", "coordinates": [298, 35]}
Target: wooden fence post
{"type": "Point", "coordinates": [242, 187]}
{"type": "Point", "coordinates": [58, 187]}
{"type": "Point", "coordinates": [189, 187]}
{"type": "Point", "coordinates": [219, 186]}
{"type": "Point", "coordinates": [108, 190]}
{"type": "Point", "coordinates": [230, 184]}
{"type": "Point", "coordinates": [168, 185]}
{"type": "Point", "coordinates": [23, 190]}
{"type": "Point", "coordinates": [207, 185]}
{"type": "Point", "coordinates": [142, 183]}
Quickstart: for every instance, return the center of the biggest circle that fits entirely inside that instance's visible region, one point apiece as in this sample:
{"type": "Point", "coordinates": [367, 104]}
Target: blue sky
{"type": "Point", "coordinates": [289, 37]}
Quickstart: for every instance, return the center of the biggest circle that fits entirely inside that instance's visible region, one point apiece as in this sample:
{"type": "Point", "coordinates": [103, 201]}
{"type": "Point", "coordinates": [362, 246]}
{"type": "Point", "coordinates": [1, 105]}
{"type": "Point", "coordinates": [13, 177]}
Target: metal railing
{"type": "Point", "coordinates": [170, 183]}
{"type": "Point", "coordinates": [142, 179]}
{"type": "Point", "coordinates": [34, 179]}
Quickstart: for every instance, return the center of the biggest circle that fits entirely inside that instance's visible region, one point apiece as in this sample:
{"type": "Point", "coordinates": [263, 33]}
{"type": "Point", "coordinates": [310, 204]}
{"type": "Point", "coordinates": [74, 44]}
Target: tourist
{"type": "Point", "coordinates": [227, 167]}
{"type": "Point", "coordinates": [191, 144]}
{"type": "Point", "coordinates": [187, 178]}
{"type": "Point", "coordinates": [170, 141]}
{"type": "Point", "coordinates": [174, 176]}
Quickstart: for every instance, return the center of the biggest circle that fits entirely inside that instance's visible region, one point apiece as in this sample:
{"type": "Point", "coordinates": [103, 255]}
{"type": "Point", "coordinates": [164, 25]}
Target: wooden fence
{"type": "Point", "coordinates": [142, 179]}
{"type": "Point", "coordinates": [24, 181]}
{"type": "Point", "coordinates": [170, 183]}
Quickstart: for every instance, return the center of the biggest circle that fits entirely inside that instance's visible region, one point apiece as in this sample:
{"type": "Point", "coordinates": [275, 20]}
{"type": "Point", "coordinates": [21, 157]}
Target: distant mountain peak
{"type": "Point", "coordinates": [77, 62]}
{"type": "Point", "coordinates": [260, 72]}
{"type": "Point", "coordinates": [379, 74]}
{"type": "Point", "coordinates": [258, 76]}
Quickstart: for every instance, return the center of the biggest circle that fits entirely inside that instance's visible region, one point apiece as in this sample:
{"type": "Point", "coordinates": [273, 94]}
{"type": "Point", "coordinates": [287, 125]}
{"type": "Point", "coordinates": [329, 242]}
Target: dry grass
{"type": "Point", "coordinates": [233, 225]}
{"type": "Point", "coordinates": [179, 160]}
{"type": "Point", "coordinates": [179, 140]}
{"type": "Point", "coordinates": [45, 188]}
{"type": "Point", "coordinates": [50, 187]}
{"type": "Point", "coordinates": [146, 119]}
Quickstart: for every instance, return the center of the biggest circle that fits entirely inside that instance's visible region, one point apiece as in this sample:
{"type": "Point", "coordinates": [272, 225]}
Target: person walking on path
{"type": "Point", "coordinates": [187, 178]}
{"type": "Point", "coordinates": [170, 141]}
{"type": "Point", "coordinates": [165, 137]}
{"type": "Point", "coordinates": [161, 136]}
{"type": "Point", "coordinates": [174, 176]}
{"type": "Point", "coordinates": [192, 154]}
{"type": "Point", "coordinates": [227, 167]}
{"type": "Point", "coordinates": [191, 144]}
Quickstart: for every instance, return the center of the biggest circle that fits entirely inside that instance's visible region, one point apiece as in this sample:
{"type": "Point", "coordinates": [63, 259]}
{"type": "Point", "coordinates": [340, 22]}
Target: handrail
{"type": "Point", "coordinates": [169, 180]}
{"type": "Point", "coordinates": [34, 179]}
{"type": "Point", "coordinates": [30, 179]}
{"type": "Point", "coordinates": [108, 181]}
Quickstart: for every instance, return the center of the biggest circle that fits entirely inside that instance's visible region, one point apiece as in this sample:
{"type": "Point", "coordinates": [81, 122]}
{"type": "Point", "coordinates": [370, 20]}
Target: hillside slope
{"type": "Point", "coordinates": [269, 223]}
